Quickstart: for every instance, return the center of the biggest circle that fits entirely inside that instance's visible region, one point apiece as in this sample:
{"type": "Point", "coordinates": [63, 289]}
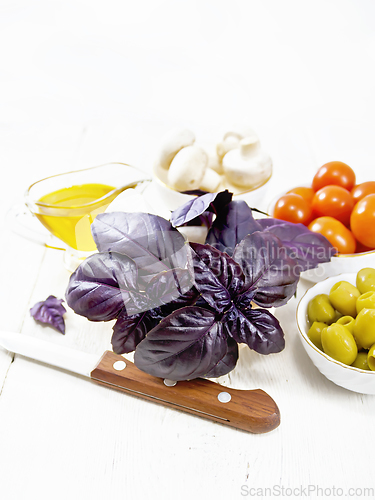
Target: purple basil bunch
{"type": "Point", "coordinates": [183, 308]}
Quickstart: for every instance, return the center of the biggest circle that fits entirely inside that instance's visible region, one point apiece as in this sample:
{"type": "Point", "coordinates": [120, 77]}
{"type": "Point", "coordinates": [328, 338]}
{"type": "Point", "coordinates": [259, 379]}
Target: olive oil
{"type": "Point", "coordinates": [68, 213]}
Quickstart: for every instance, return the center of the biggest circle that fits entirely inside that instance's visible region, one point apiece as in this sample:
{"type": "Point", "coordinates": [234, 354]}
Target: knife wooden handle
{"type": "Point", "coordinates": [250, 410]}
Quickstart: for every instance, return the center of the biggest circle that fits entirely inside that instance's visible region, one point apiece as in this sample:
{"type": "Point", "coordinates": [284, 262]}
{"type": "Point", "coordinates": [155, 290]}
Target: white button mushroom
{"type": "Point", "coordinates": [239, 132]}
{"type": "Point", "coordinates": [187, 169]}
{"type": "Point", "coordinates": [211, 181]}
{"type": "Point", "coordinates": [248, 166]}
{"type": "Point", "coordinates": [226, 145]}
{"type": "Point", "coordinates": [194, 234]}
{"type": "Point", "coordinates": [171, 144]}
{"type": "Point", "coordinates": [214, 161]}
{"type": "Point", "coordinates": [231, 139]}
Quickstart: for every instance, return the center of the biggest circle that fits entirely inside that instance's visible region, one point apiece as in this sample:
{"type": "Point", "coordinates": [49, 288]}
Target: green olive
{"type": "Point", "coordinates": [320, 309]}
{"type": "Point", "coordinates": [347, 321]}
{"type": "Point", "coordinates": [366, 280]}
{"type": "Point", "coordinates": [339, 343]}
{"type": "Point", "coordinates": [338, 315]}
{"type": "Point", "coordinates": [364, 328]}
{"type": "Point", "coordinates": [343, 297]}
{"type": "Point", "coordinates": [366, 301]}
{"type": "Point", "coordinates": [361, 361]}
{"type": "Point", "coordinates": [371, 357]}
{"type": "Point", "coordinates": [315, 333]}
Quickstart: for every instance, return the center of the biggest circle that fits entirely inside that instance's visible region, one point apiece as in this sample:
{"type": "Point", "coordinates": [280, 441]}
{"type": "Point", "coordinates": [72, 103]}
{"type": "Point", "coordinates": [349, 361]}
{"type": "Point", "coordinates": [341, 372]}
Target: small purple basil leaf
{"type": "Point", "coordinates": [217, 276]}
{"type": "Point", "coordinates": [204, 220]}
{"type": "Point", "coordinates": [148, 239]}
{"type": "Point", "coordinates": [257, 328]}
{"type": "Point", "coordinates": [268, 269]}
{"type": "Point", "coordinates": [168, 286]}
{"type": "Point", "coordinates": [223, 198]}
{"type": "Point", "coordinates": [231, 226]}
{"type": "Point", "coordinates": [128, 331]}
{"type": "Point", "coordinates": [185, 345]}
{"type": "Point", "coordinates": [308, 248]}
{"type": "Point", "coordinates": [227, 363]}
{"type": "Point", "coordinates": [102, 285]}
{"type": "Point", "coordinates": [56, 304]}
{"type": "Point", "coordinates": [244, 299]}
{"type": "Point", "coordinates": [50, 311]}
{"type": "Point", "coordinates": [191, 209]}
{"type": "Point", "coordinates": [197, 206]}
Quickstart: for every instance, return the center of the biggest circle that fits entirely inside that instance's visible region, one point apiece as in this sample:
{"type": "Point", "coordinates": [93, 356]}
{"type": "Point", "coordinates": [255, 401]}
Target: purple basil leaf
{"type": "Point", "coordinates": [257, 328]}
{"type": "Point", "coordinates": [223, 198]}
{"type": "Point", "coordinates": [308, 248]}
{"type": "Point", "coordinates": [244, 300]}
{"type": "Point", "coordinates": [197, 206]}
{"type": "Point", "coordinates": [149, 240]}
{"type": "Point", "coordinates": [168, 286]}
{"type": "Point", "coordinates": [102, 285]}
{"type": "Point", "coordinates": [217, 276]}
{"type": "Point", "coordinates": [231, 226]}
{"type": "Point", "coordinates": [171, 286]}
{"type": "Point", "coordinates": [128, 331]}
{"type": "Point", "coordinates": [187, 299]}
{"type": "Point", "coordinates": [227, 363]}
{"type": "Point", "coordinates": [204, 220]}
{"type": "Point", "coordinates": [268, 268]}
{"type": "Point", "coordinates": [185, 345]}
{"type": "Point", "coordinates": [200, 302]}
{"type": "Point", "coordinates": [50, 311]}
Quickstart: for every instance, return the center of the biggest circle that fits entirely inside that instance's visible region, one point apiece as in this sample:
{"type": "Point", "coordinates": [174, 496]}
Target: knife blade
{"type": "Point", "coordinates": [249, 410]}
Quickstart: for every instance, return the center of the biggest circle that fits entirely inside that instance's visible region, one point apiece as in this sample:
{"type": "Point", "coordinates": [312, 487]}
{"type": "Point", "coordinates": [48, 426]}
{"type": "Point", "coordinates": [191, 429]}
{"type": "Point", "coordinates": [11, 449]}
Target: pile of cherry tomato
{"type": "Point", "coordinates": [335, 207]}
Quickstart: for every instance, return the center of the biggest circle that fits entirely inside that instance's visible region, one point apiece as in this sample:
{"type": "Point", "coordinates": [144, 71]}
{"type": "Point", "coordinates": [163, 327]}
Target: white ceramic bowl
{"type": "Point", "coordinates": [341, 263]}
{"type": "Point", "coordinates": [353, 379]}
{"type": "Point", "coordinates": [172, 199]}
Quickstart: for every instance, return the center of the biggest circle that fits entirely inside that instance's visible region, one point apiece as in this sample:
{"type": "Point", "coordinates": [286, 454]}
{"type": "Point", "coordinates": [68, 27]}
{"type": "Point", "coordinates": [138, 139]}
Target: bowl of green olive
{"type": "Point", "coordinates": [336, 321]}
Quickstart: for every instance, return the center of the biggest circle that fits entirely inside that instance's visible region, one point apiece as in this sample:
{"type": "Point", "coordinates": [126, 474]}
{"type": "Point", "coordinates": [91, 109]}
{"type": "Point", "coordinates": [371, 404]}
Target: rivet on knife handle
{"type": "Point", "coordinates": [252, 411]}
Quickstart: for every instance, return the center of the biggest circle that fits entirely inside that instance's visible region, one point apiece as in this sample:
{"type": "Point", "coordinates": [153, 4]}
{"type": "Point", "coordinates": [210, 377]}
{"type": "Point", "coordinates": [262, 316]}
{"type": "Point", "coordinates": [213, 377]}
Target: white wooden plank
{"type": "Point", "coordinates": [20, 259]}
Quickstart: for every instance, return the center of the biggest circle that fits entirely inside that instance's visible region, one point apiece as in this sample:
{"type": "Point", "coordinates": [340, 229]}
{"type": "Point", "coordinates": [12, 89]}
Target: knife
{"type": "Point", "coordinates": [249, 410]}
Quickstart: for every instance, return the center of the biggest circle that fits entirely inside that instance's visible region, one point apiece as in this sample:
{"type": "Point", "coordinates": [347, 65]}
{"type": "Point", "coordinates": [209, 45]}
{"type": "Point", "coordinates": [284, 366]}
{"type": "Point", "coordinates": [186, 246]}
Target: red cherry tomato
{"type": "Point", "coordinates": [334, 172]}
{"type": "Point", "coordinates": [293, 208]}
{"type": "Point", "coordinates": [336, 233]}
{"type": "Point", "coordinates": [362, 190]}
{"type": "Point", "coordinates": [306, 193]}
{"type": "Point", "coordinates": [334, 201]}
{"type": "Point", "coordinates": [362, 221]}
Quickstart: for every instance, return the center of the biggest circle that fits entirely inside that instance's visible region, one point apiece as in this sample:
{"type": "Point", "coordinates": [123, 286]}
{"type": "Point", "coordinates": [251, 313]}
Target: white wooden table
{"type": "Point", "coordinates": [103, 84]}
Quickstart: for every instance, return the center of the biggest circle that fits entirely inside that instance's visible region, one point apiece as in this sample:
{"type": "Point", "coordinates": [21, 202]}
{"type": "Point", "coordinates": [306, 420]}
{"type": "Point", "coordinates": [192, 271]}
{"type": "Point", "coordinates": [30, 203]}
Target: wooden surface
{"type": "Point", "coordinates": [86, 83]}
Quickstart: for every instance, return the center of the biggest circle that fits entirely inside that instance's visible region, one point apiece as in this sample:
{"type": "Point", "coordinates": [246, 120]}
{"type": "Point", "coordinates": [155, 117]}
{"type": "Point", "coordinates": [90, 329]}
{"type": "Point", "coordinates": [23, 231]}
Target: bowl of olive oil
{"type": "Point", "coordinates": [66, 205]}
